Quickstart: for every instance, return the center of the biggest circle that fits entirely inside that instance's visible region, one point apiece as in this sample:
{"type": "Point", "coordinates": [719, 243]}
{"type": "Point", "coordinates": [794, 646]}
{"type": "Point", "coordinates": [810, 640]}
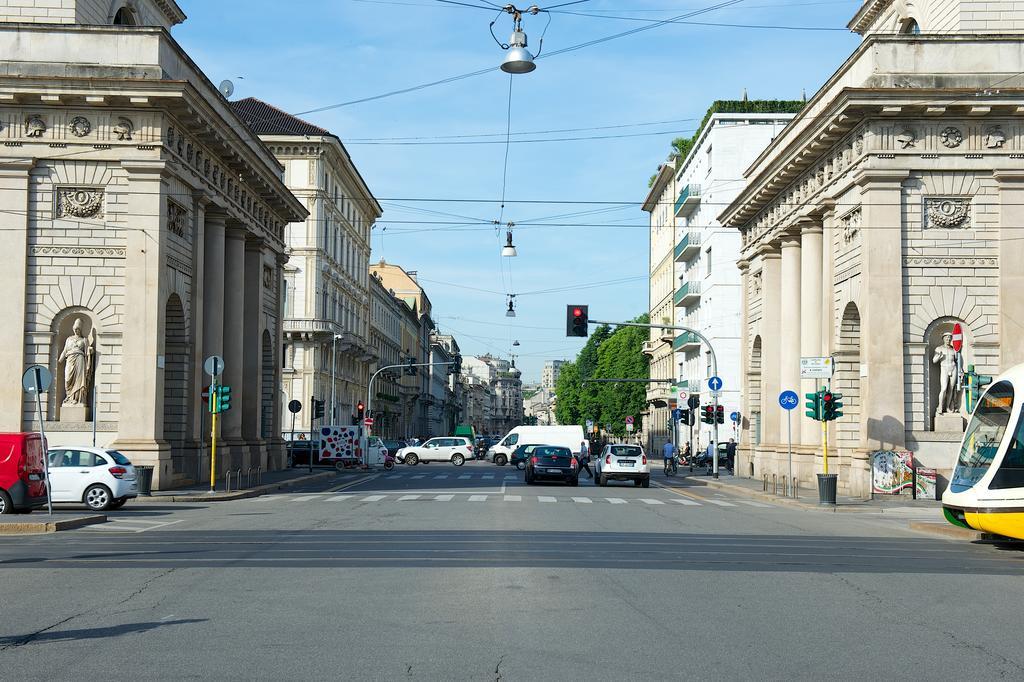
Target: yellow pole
{"type": "Point", "coordinates": [213, 442]}
{"type": "Point", "coordinates": [824, 442]}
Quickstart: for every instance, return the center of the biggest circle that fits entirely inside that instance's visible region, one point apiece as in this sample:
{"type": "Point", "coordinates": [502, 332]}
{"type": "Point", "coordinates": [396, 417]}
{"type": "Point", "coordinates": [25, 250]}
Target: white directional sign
{"type": "Point", "coordinates": [817, 368]}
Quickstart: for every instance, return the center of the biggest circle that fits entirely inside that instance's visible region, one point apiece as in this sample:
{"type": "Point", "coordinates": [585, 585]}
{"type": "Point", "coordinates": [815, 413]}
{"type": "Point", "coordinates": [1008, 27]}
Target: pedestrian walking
{"type": "Point", "coordinates": [687, 454]}
{"type": "Point", "coordinates": [730, 454]}
{"type": "Point", "coordinates": [584, 459]}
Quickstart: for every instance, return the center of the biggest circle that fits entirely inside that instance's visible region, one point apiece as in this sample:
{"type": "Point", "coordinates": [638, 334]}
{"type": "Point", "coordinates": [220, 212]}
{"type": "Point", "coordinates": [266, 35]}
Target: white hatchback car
{"type": "Point", "coordinates": [621, 462]}
{"type": "Point", "coordinates": [102, 479]}
{"type": "Point", "coordinates": [454, 449]}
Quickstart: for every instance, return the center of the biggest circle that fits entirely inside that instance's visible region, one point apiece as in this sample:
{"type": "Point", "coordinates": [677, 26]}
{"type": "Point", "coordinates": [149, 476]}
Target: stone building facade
{"type": "Point", "coordinates": [884, 214]}
{"type": "Point", "coordinates": [139, 208]}
{"type": "Point", "coordinates": [327, 350]}
{"type": "Point", "coordinates": [386, 315]}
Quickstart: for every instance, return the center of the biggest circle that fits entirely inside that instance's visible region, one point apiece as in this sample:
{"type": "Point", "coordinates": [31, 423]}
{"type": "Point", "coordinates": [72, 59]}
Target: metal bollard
{"type": "Point", "coordinates": [248, 477]}
{"type": "Point", "coordinates": [785, 486]}
{"type": "Point", "coordinates": [765, 487]}
{"type": "Point", "coordinates": [227, 481]}
{"type": "Point", "coordinates": [259, 475]}
{"type": "Point", "coordinates": [238, 479]}
{"type": "Point", "coordinates": [796, 487]}
{"type": "Point", "coordinates": [775, 484]}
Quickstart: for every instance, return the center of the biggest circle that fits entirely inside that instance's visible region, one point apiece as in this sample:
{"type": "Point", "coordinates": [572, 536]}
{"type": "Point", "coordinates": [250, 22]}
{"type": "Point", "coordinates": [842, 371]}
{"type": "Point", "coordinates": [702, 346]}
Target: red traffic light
{"type": "Point", "coordinates": [360, 406]}
{"type": "Point", "coordinates": [826, 397]}
{"type": "Point", "coordinates": [576, 312]}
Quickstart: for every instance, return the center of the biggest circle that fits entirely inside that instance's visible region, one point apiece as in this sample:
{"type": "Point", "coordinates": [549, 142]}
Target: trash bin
{"type": "Point", "coordinates": [145, 476]}
{"type": "Point", "coordinates": [827, 488]}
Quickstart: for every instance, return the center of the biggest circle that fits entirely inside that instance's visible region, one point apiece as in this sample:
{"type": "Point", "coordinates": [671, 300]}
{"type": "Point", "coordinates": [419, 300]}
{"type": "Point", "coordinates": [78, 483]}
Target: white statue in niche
{"type": "Point", "coordinates": [951, 375]}
{"type": "Point", "coordinates": [77, 357]}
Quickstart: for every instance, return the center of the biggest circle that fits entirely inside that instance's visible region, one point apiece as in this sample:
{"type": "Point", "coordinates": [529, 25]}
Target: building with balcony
{"type": "Point", "coordinates": [143, 230]}
{"type": "Point", "coordinates": [707, 295]}
{"type": "Point", "coordinates": [386, 316]}
{"type": "Point", "coordinates": [549, 374]}
{"type": "Point", "coordinates": [326, 294]}
{"type": "Point", "coordinates": [445, 388]}
{"type": "Point", "coordinates": [888, 211]}
{"type": "Point", "coordinates": [506, 386]}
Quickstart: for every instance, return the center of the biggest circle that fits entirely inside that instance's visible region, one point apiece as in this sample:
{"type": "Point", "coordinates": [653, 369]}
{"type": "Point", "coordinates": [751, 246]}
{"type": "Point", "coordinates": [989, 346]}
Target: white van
{"type": "Point", "coordinates": [565, 436]}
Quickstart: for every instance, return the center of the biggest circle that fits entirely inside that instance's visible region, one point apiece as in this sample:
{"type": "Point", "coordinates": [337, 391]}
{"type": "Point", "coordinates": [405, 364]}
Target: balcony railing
{"type": "Point", "coordinates": [688, 247]}
{"type": "Point", "coordinates": [688, 200]}
{"type": "Point", "coordinates": [686, 294]}
{"type": "Point", "coordinates": [685, 341]}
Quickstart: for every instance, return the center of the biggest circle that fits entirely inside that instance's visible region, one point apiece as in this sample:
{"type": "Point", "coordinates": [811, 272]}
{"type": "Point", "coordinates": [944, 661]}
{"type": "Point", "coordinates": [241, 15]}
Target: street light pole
{"type": "Point", "coordinates": [369, 389]}
{"type": "Point", "coordinates": [334, 362]}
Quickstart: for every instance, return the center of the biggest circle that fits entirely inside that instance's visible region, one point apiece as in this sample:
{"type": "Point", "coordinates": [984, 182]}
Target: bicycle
{"type": "Point", "coordinates": [671, 468]}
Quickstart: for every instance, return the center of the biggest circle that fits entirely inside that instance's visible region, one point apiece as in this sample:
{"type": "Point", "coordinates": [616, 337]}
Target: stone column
{"type": "Point", "coordinates": [250, 392]}
{"type": "Point", "coordinates": [810, 319]}
{"type": "Point", "coordinates": [771, 342]}
{"type": "Point", "coordinates": [790, 315]}
{"type": "Point", "coordinates": [234, 344]}
{"type": "Point", "coordinates": [213, 284]}
{"type": "Point", "coordinates": [276, 458]}
{"type": "Point", "coordinates": [1011, 275]}
{"type": "Point", "coordinates": [881, 308]}
{"type": "Point", "coordinates": [746, 439]}
{"type": "Point", "coordinates": [14, 197]}
{"type": "Point", "coordinates": [140, 430]}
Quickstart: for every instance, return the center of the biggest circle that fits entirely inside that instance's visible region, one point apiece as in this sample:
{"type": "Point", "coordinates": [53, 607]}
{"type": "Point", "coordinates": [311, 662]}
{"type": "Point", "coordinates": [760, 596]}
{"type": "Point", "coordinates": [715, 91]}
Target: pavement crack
{"type": "Point", "coordinates": [497, 669]}
{"type": "Point", "coordinates": [14, 643]}
{"type": "Point", "coordinates": [145, 586]}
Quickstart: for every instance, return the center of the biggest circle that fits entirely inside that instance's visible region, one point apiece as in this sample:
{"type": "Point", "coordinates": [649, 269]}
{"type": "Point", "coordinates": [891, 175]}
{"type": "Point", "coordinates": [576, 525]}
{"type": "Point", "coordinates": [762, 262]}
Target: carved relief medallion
{"type": "Point", "coordinates": [177, 219]}
{"type": "Point", "coordinates": [907, 137]}
{"type": "Point", "coordinates": [948, 213]}
{"type": "Point", "coordinates": [952, 137]}
{"type": "Point", "coordinates": [124, 129]}
{"type": "Point", "coordinates": [79, 202]}
{"type": "Point", "coordinates": [995, 138]}
{"type": "Point", "coordinates": [851, 225]}
{"type": "Point", "coordinates": [35, 126]}
{"type": "Point", "coordinates": [80, 126]}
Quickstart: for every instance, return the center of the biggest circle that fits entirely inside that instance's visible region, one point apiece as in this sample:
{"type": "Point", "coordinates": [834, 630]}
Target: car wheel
{"type": "Point", "coordinates": [411, 459]}
{"type": "Point", "coordinates": [97, 497]}
{"type": "Point", "coordinates": [458, 460]}
{"type": "Point", "coordinates": [6, 506]}
{"type": "Point", "coordinates": [636, 483]}
{"type": "Point", "coordinates": [646, 483]}
{"type": "Point", "coordinates": [117, 504]}
{"type": "Point", "coordinates": [521, 465]}
{"type": "Point", "coordinates": [501, 460]}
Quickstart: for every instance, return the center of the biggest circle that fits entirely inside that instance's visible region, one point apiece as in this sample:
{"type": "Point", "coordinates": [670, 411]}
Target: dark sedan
{"type": "Point", "coordinates": [522, 454]}
{"type": "Point", "coordinates": [550, 463]}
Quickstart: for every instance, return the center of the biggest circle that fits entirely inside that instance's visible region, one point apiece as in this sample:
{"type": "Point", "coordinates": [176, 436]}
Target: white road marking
{"type": "Point", "coordinates": [513, 498]}
{"type": "Point", "coordinates": [342, 498]}
{"type": "Point", "coordinates": [373, 498]}
{"type": "Point", "coordinates": [617, 500]}
{"type": "Point", "coordinates": [420, 476]}
{"type": "Point", "coordinates": [303, 499]}
{"type": "Point", "coordinates": [129, 526]}
{"type": "Point", "coordinates": [684, 501]}
{"type": "Point", "coordinates": [750, 503]}
{"type": "Point", "coordinates": [406, 498]}
{"type": "Point", "coordinates": [647, 500]}
{"type": "Point", "coordinates": [477, 498]}
{"type": "Point", "coordinates": [464, 477]}
{"type": "Point", "coordinates": [583, 500]}
{"type": "Point", "coordinates": [444, 498]}
{"type": "Point", "coordinates": [543, 498]}
{"type": "Point", "coordinates": [391, 477]}
{"type": "Point", "coordinates": [487, 476]}
{"type": "Point", "coordinates": [720, 503]}
{"type": "Point", "coordinates": [441, 476]}
{"type": "Point", "coordinates": [511, 477]}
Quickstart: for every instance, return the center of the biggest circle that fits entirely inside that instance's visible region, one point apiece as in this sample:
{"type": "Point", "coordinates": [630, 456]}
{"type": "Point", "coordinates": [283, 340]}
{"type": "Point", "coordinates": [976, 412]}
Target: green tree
{"type": "Point", "coordinates": [567, 395]}
{"type": "Point", "coordinates": [621, 357]}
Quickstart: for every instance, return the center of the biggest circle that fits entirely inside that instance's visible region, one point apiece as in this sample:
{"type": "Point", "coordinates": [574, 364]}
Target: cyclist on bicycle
{"type": "Point", "coordinates": [668, 453]}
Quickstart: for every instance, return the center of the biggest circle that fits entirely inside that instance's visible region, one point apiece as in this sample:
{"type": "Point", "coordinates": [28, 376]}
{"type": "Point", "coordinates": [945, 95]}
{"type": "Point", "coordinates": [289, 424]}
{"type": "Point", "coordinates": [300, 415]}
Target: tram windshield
{"type": "Point", "coordinates": [984, 433]}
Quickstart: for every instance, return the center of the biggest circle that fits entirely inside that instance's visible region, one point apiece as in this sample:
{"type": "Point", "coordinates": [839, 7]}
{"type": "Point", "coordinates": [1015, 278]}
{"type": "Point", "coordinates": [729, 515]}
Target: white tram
{"type": "Point", "coordinates": [986, 491]}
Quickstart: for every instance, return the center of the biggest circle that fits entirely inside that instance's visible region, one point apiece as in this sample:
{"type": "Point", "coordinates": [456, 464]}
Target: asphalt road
{"type": "Point", "coordinates": [438, 572]}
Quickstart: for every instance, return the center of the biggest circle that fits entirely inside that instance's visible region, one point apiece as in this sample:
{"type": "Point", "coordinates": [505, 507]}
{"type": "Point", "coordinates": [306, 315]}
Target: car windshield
{"type": "Point", "coordinates": [118, 458]}
{"type": "Point", "coordinates": [548, 451]}
{"type": "Point", "coordinates": [626, 450]}
{"type": "Point", "coordinates": [984, 433]}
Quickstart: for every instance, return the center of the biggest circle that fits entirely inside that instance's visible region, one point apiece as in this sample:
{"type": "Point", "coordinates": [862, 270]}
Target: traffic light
{"type": "Point", "coordinates": [318, 409]}
{"type": "Point", "coordinates": [576, 319]}
{"type": "Point", "coordinates": [220, 400]}
{"type": "Point", "coordinates": [813, 405]}
{"type": "Point", "coordinates": [409, 369]}
{"type": "Point", "coordinates": [976, 384]}
{"type": "Point", "coordinates": [707, 414]}
{"type": "Point", "coordinates": [720, 414]}
{"type": "Point", "coordinates": [457, 367]}
{"type": "Point", "coordinates": [831, 404]}
{"type": "Point", "coordinates": [684, 417]}
{"type": "Point", "coordinates": [360, 410]}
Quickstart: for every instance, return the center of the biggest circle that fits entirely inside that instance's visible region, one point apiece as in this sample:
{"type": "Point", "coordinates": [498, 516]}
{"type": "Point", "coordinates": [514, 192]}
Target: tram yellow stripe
{"type": "Point", "coordinates": [1009, 524]}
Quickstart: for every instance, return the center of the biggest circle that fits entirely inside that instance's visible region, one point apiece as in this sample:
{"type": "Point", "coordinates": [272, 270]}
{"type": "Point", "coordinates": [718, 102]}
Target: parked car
{"type": "Point", "coordinates": [22, 473]}
{"type": "Point", "coordinates": [447, 449]}
{"type": "Point", "coordinates": [552, 463]}
{"type": "Point", "coordinates": [622, 462]}
{"type": "Point", "coordinates": [102, 479]}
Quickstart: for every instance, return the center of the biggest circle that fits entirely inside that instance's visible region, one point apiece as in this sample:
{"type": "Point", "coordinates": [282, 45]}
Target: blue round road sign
{"type": "Point", "coordinates": [735, 417]}
{"type": "Point", "coordinates": [789, 400]}
{"type": "Point", "coordinates": [715, 383]}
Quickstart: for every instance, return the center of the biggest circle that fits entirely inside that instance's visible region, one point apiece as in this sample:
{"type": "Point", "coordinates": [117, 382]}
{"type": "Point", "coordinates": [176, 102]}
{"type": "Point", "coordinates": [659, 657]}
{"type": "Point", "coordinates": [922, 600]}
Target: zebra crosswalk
{"type": "Point", "coordinates": [513, 498]}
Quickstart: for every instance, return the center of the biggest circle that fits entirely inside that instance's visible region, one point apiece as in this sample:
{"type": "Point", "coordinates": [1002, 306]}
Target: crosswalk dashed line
{"type": "Point", "coordinates": [373, 498]}
{"type": "Point", "coordinates": [647, 500]}
{"type": "Point", "coordinates": [583, 500]}
{"type": "Point", "coordinates": [616, 500]}
{"type": "Point", "coordinates": [407, 498]}
{"type": "Point", "coordinates": [545, 498]}
{"type": "Point", "coordinates": [513, 498]}
{"type": "Point", "coordinates": [720, 503]}
{"type": "Point", "coordinates": [477, 498]}
{"type": "Point", "coordinates": [440, 477]}
{"type": "Point", "coordinates": [751, 503]}
{"type": "Point", "coordinates": [465, 477]}
{"type": "Point", "coordinates": [686, 502]}
{"type": "Point", "coordinates": [341, 498]}
{"type": "Point", "coordinates": [444, 498]}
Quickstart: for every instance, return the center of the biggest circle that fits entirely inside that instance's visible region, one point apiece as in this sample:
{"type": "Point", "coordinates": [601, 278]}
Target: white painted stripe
{"type": "Point", "coordinates": [477, 498]}
{"type": "Point", "coordinates": [511, 477]}
{"type": "Point", "coordinates": [439, 477]}
{"type": "Point", "coordinates": [688, 503]}
{"type": "Point", "coordinates": [513, 498]}
{"type": "Point", "coordinates": [465, 477]}
{"type": "Point", "coordinates": [720, 503]}
{"type": "Point", "coordinates": [617, 500]}
{"type": "Point", "coordinates": [391, 477]}
{"type": "Point", "coordinates": [647, 500]}
{"type": "Point", "coordinates": [405, 498]}
{"type": "Point", "coordinates": [750, 503]}
{"type": "Point", "coordinates": [582, 500]}
{"type": "Point", "coordinates": [542, 498]}
{"type": "Point", "coordinates": [302, 499]}
{"type": "Point", "coordinates": [444, 498]}
{"type": "Point", "coordinates": [342, 498]}
{"type": "Point", "coordinates": [373, 498]}
{"type": "Point", "coordinates": [488, 476]}
{"type": "Point", "coordinates": [420, 476]}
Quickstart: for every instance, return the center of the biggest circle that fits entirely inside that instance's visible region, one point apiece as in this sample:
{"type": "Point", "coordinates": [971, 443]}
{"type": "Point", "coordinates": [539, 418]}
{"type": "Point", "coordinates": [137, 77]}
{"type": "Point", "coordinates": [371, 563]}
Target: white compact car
{"type": "Point", "coordinates": [621, 462]}
{"type": "Point", "coordinates": [102, 479]}
{"type": "Point", "coordinates": [454, 449]}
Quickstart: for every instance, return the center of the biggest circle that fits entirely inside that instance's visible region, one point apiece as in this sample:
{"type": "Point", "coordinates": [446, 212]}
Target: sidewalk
{"type": "Point", "coordinates": [272, 480]}
{"type": "Point", "coordinates": [41, 522]}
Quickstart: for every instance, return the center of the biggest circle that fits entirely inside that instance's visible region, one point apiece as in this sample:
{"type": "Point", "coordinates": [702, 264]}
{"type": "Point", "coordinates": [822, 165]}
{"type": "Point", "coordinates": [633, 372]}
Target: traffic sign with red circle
{"type": "Point", "coordinates": [958, 337]}
{"type": "Point", "coordinates": [368, 421]}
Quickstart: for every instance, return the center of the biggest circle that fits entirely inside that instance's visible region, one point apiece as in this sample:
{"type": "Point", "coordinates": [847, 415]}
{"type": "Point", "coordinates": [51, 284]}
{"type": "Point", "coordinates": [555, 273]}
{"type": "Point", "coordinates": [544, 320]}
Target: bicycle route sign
{"type": "Point", "coordinates": [789, 400]}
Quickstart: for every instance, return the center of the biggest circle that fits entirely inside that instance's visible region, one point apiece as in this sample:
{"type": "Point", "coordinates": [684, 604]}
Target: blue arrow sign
{"type": "Point", "coordinates": [677, 414]}
{"type": "Point", "coordinates": [715, 383]}
{"type": "Point", "coordinates": [789, 400]}
{"type": "Point", "coordinates": [735, 417]}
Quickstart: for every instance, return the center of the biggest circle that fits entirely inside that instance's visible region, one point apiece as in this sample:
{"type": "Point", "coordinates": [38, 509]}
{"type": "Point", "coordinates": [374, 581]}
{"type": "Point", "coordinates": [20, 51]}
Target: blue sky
{"type": "Point", "coordinates": [310, 54]}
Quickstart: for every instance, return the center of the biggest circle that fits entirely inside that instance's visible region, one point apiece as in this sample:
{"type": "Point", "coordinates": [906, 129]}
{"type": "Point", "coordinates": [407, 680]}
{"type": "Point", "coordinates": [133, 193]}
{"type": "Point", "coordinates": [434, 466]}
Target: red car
{"type": "Point", "coordinates": [22, 473]}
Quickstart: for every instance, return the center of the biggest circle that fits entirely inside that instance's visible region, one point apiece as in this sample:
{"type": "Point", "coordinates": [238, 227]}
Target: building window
{"type": "Point", "coordinates": [707, 255]}
{"type": "Point", "coordinates": [125, 17]}
{"type": "Point", "coordinates": [910, 27]}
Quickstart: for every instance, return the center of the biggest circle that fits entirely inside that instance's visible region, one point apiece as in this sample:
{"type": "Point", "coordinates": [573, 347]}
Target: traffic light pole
{"type": "Point", "coordinates": [213, 435]}
{"type": "Point", "coordinates": [714, 368]}
{"type": "Point", "coordinates": [369, 391]}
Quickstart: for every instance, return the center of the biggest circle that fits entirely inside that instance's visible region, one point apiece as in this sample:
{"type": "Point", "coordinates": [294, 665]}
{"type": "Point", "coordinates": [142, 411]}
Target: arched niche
{"type": "Point", "coordinates": [61, 328]}
{"type": "Point", "coordinates": [932, 374]}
